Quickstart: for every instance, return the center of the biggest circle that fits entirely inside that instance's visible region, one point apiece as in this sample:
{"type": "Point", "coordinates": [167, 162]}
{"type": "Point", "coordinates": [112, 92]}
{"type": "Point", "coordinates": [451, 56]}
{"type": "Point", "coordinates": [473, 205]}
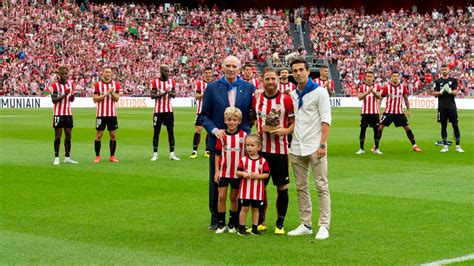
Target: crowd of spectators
{"type": "Point", "coordinates": [136, 39]}
{"type": "Point", "coordinates": [133, 39]}
{"type": "Point", "coordinates": [415, 44]}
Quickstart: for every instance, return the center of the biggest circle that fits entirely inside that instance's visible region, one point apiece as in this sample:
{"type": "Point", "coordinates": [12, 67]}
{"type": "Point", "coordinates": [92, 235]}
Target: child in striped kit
{"type": "Point", "coordinates": [253, 170]}
{"type": "Point", "coordinates": [229, 150]}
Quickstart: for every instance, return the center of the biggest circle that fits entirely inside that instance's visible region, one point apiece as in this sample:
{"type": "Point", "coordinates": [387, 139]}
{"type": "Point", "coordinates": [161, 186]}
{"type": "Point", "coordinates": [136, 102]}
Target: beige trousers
{"type": "Point", "coordinates": [301, 165]}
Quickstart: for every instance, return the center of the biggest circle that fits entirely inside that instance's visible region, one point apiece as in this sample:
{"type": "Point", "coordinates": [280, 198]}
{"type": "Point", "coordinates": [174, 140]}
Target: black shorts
{"type": "Point", "coordinates": [62, 121]}
{"type": "Point", "coordinates": [253, 203]}
{"type": "Point", "coordinates": [109, 121]}
{"type": "Point", "coordinates": [198, 121]}
{"type": "Point", "coordinates": [371, 120]}
{"type": "Point", "coordinates": [163, 118]}
{"type": "Point", "coordinates": [234, 182]}
{"type": "Point", "coordinates": [400, 120]}
{"type": "Point", "coordinates": [447, 114]}
{"type": "Point", "coordinates": [278, 164]}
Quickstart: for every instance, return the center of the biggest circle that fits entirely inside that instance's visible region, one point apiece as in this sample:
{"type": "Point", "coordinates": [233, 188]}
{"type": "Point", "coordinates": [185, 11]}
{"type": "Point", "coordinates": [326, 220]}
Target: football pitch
{"type": "Point", "coordinates": [401, 207]}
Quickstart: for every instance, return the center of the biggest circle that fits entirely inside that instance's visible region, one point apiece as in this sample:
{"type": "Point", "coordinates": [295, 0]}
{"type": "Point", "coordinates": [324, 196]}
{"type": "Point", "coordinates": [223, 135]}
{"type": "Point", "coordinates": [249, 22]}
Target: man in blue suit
{"type": "Point", "coordinates": [230, 90]}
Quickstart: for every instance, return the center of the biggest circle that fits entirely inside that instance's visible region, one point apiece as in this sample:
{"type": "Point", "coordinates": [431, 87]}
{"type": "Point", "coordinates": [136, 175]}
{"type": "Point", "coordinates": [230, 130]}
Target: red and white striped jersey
{"type": "Point", "coordinates": [279, 105]}
{"type": "Point", "coordinates": [370, 104]}
{"type": "Point", "coordinates": [394, 95]}
{"type": "Point", "coordinates": [163, 104]}
{"type": "Point", "coordinates": [254, 81]}
{"type": "Point", "coordinates": [200, 88]}
{"type": "Point", "coordinates": [107, 107]}
{"type": "Point", "coordinates": [231, 149]}
{"type": "Point", "coordinates": [325, 83]}
{"type": "Point", "coordinates": [288, 86]}
{"type": "Point", "coordinates": [253, 189]}
{"type": "Point", "coordinates": [62, 107]}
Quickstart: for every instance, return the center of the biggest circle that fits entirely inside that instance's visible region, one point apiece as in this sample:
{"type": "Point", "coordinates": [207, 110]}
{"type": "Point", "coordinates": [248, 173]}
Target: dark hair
{"type": "Point", "coordinates": [248, 65]}
{"type": "Point", "coordinates": [444, 65]}
{"type": "Point", "coordinates": [269, 69]}
{"type": "Point", "coordinates": [284, 69]}
{"type": "Point", "coordinates": [323, 66]}
{"type": "Point", "coordinates": [369, 72]}
{"type": "Point", "coordinates": [208, 68]}
{"type": "Point", "coordinates": [395, 72]}
{"type": "Point", "coordinates": [299, 60]}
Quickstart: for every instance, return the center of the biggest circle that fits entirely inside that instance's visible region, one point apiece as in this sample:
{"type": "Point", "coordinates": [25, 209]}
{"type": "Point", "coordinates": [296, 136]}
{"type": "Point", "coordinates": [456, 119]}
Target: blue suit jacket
{"type": "Point", "coordinates": [215, 101]}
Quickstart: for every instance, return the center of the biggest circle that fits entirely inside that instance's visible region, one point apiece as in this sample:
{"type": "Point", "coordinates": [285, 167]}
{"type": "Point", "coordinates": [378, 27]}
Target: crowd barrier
{"type": "Point", "coordinates": [147, 102]}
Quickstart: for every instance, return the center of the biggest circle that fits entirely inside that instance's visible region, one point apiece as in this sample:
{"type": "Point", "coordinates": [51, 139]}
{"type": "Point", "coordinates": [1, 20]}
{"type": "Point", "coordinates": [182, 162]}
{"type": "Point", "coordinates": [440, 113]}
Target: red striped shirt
{"type": "Point", "coordinates": [63, 107]}
{"type": "Point", "coordinates": [163, 104]}
{"type": "Point", "coordinates": [254, 81]}
{"type": "Point", "coordinates": [370, 104]}
{"type": "Point", "coordinates": [107, 107]}
{"type": "Point", "coordinates": [200, 88]}
{"type": "Point", "coordinates": [288, 86]}
{"type": "Point", "coordinates": [231, 149]}
{"type": "Point", "coordinates": [253, 189]}
{"type": "Point", "coordinates": [394, 103]}
{"type": "Point", "coordinates": [324, 83]}
{"type": "Point", "coordinates": [283, 106]}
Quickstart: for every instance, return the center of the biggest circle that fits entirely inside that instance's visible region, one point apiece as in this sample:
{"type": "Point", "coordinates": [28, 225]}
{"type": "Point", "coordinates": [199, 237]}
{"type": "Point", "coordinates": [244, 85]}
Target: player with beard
{"type": "Point", "coordinates": [274, 122]}
{"type": "Point", "coordinates": [445, 90]}
{"type": "Point", "coordinates": [163, 89]}
{"type": "Point", "coordinates": [396, 93]}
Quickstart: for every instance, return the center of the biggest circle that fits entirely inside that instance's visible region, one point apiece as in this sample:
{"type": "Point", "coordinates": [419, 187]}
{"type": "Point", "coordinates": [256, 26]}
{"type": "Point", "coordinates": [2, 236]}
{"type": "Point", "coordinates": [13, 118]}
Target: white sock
{"type": "Point", "coordinates": [155, 154]}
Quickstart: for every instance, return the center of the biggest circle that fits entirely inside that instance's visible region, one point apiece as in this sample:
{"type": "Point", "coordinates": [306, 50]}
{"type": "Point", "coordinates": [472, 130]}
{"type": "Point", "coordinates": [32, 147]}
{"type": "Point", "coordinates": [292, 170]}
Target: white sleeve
{"type": "Point", "coordinates": [324, 107]}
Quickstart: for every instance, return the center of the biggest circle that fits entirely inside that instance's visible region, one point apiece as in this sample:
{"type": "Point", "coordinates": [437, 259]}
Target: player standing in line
{"type": "Point", "coordinates": [285, 86]}
{"type": "Point", "coordinates": [106, 96]}
{"type": "Point", "coordinates": [445, 89]}
{"type": "Point", "coordinates": [370, 94]}
{"type": "Point", "coordinates": [162, 90]}
{"type": "Point", "coordinates": [229, 151]}
{"type": "Point", "coordinates": [274, 109]}
{"type": "Point", "coordinates": [248, 75]}
{"type": "Point", "coordinates": [253, 170]}
{"type": "Point", "coordinates": [324, 80]}
{"type": "Point", "coordinates": [62, 97]}
{"type": "Point", "coordinates": [199, 90]}
{"type": "Point", "coordinates": [396, 94]}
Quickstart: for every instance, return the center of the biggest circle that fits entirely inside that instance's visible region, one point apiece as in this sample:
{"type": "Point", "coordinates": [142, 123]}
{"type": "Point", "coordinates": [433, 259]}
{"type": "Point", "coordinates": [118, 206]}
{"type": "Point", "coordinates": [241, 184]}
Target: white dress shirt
{"type": "Point", "coordinates": [316, 109]}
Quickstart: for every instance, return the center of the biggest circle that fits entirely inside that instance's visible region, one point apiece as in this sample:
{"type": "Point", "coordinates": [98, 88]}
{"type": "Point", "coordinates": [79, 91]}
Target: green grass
{"type": "Point", "coordinates": [398, 208]}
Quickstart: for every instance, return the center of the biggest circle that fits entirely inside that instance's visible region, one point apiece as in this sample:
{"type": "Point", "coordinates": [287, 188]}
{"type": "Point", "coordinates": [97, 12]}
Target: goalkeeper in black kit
{"type": "Point", "coordinates": [445, 89]}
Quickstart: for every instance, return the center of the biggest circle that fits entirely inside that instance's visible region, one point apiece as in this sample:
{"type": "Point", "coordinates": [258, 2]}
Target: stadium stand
{"type": "Point", "coordinates": [136, 39]}
{"type": "Point", "coordinates": [133, 39]}
{"type": "Point", "coordinates": [416, 44]}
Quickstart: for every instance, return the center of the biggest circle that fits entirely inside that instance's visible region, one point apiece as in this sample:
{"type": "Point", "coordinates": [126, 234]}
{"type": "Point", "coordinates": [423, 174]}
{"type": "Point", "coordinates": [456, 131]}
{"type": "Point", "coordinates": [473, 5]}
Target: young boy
{"type": "Point", "coordinates": [253, 169]}
{"type": "Point", "coordinates": [229, 151]}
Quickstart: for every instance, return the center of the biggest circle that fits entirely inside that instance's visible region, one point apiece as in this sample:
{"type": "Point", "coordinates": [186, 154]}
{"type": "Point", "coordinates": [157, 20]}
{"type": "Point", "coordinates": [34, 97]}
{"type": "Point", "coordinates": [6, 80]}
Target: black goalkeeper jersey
{"type": "Point", "coordinates": [445, 100]}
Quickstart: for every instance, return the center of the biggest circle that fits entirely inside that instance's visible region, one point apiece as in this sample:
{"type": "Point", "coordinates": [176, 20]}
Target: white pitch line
{"type": "Point", "coordinates": [449, 261]}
